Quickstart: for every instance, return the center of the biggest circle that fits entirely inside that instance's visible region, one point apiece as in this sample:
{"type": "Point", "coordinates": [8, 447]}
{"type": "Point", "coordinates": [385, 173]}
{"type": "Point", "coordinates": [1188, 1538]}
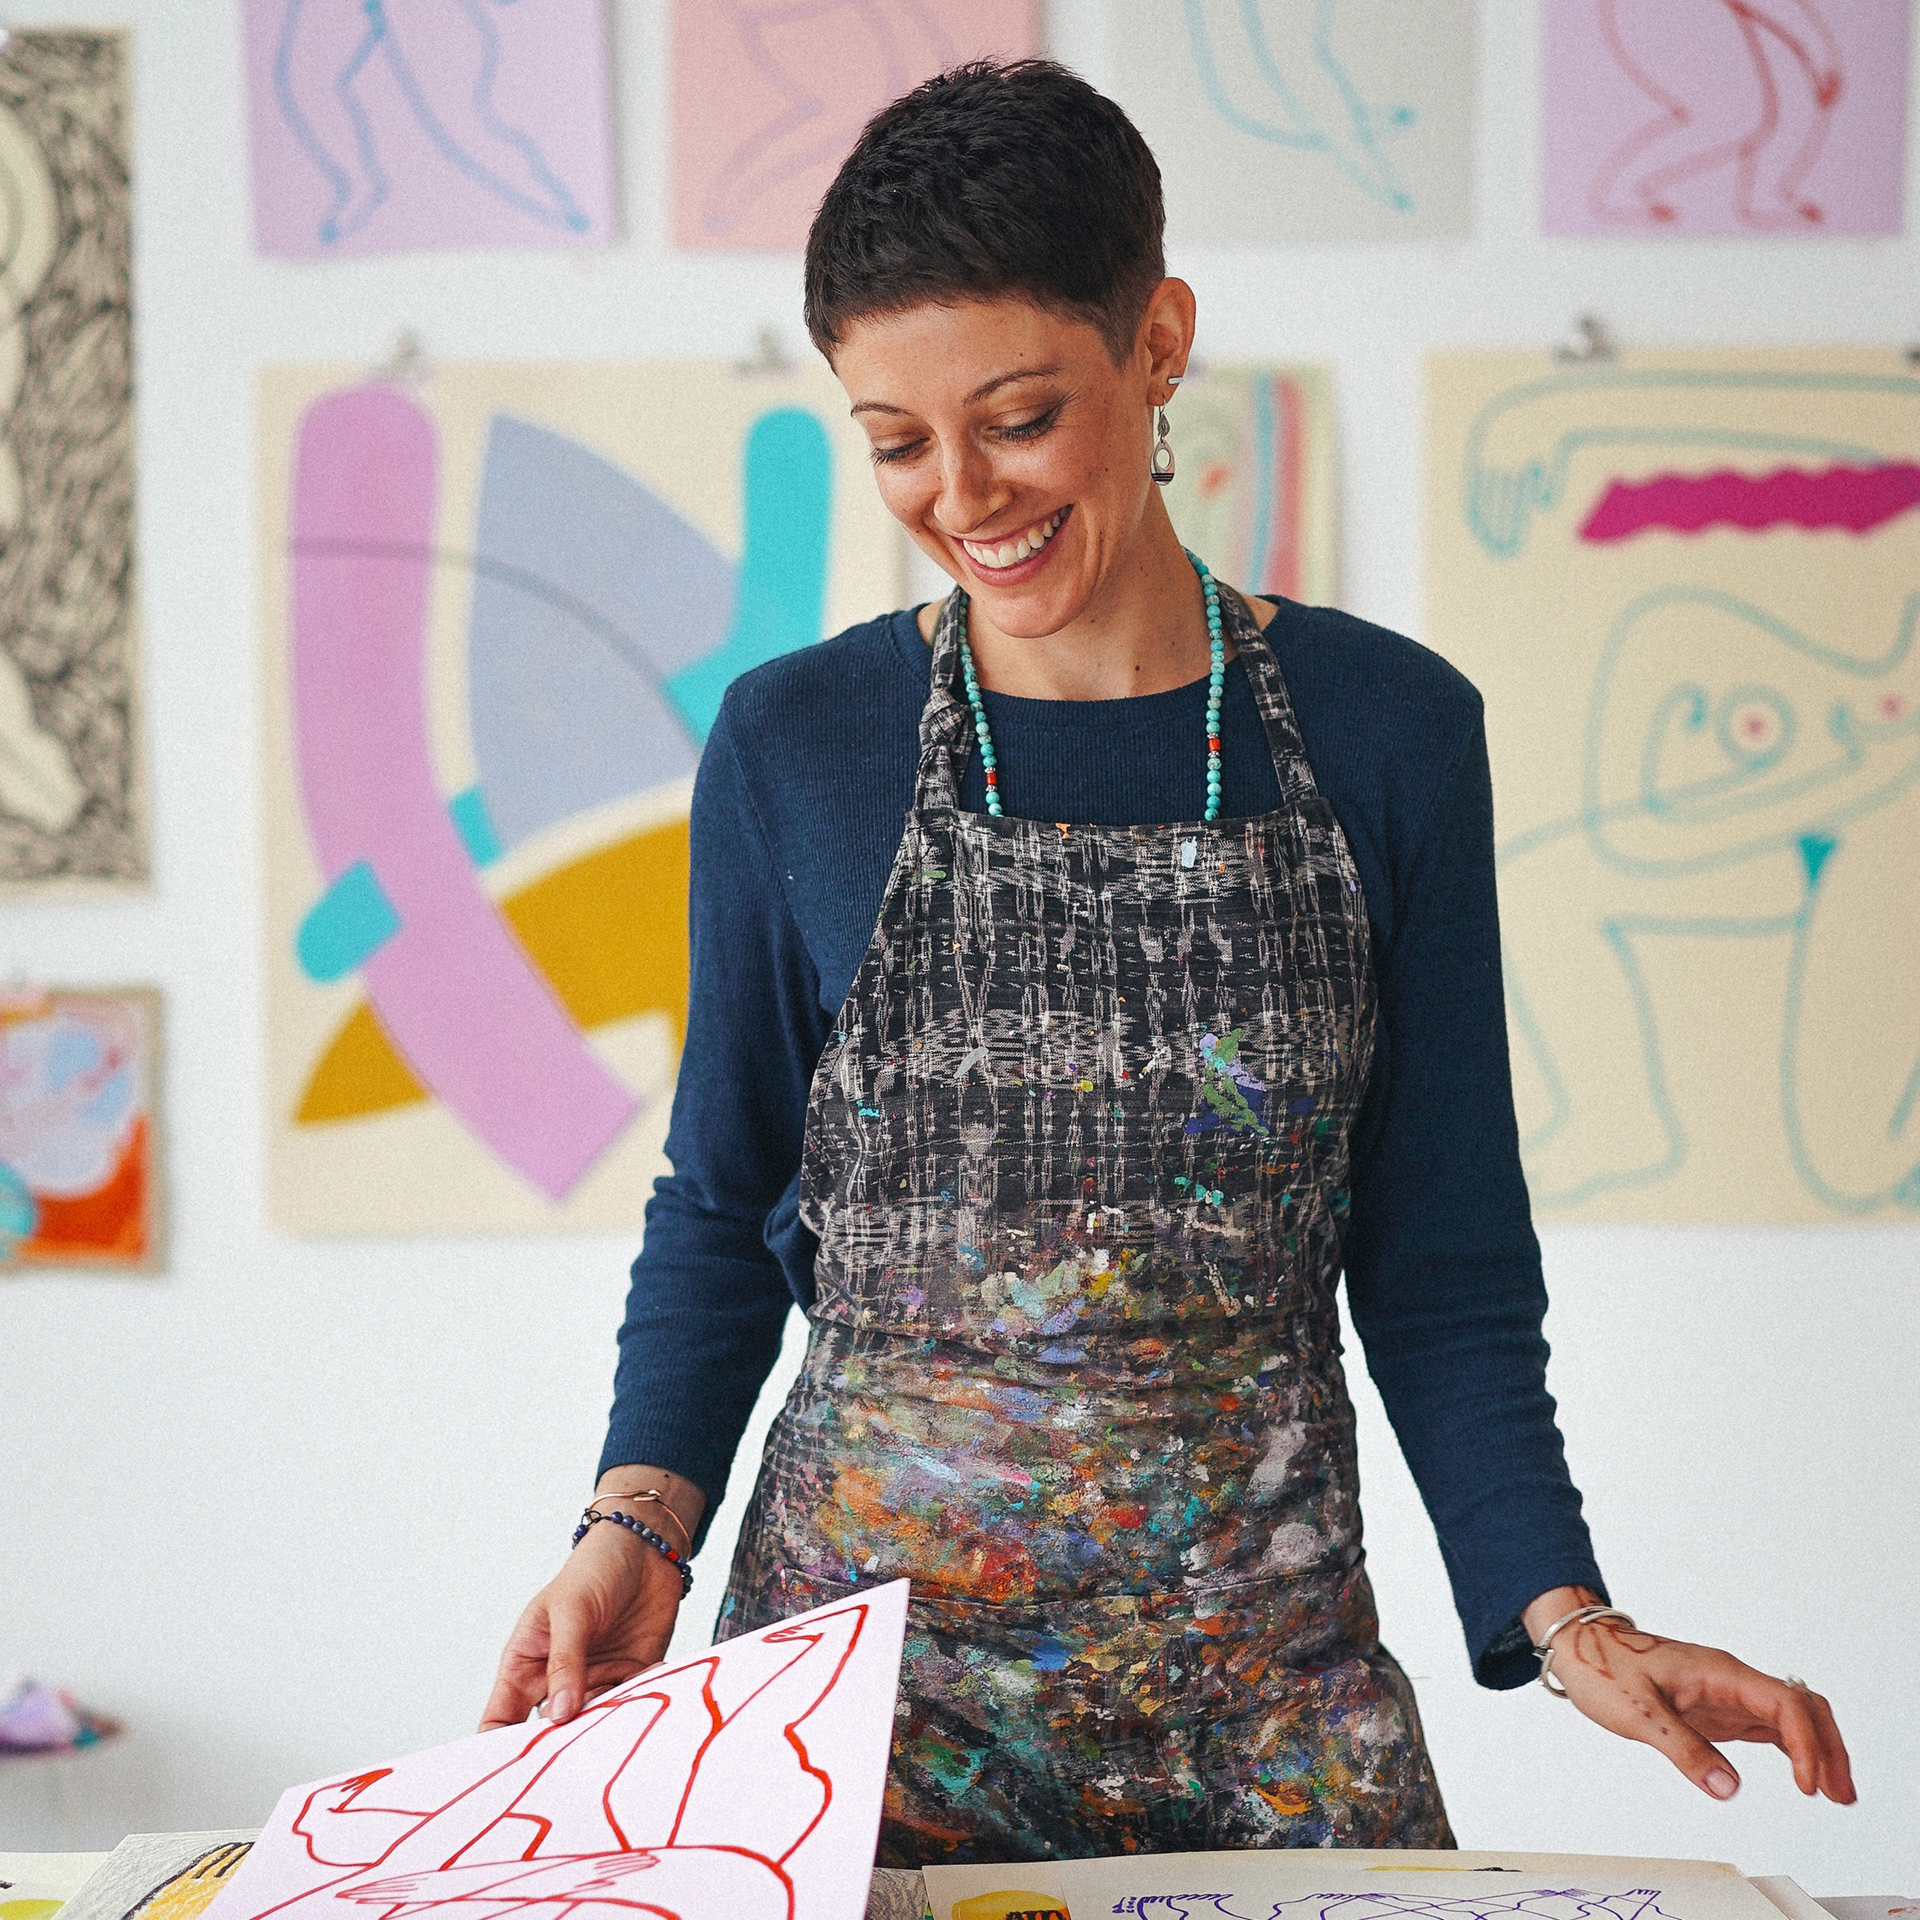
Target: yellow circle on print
{"type": "Point", "coordinates": [1011, 1906]}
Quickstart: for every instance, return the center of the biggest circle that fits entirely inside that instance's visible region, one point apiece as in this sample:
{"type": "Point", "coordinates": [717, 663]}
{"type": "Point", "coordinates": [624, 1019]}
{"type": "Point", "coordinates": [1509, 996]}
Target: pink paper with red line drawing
{"type": "Point", "coordinates": [746, 1781]}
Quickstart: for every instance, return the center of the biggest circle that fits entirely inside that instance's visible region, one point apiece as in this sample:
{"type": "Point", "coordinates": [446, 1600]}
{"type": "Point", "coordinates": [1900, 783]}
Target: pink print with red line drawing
{"type": "Point", "coordinates": [746, 1781]}
{"type": "Point", "coordinates": [1723, 116]}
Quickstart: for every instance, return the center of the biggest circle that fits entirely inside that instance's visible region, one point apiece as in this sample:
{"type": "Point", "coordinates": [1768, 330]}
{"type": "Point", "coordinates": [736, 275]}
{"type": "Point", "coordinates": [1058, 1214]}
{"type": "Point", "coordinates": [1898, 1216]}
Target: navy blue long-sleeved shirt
{"type": "Point", "coordinates": [797, 811]}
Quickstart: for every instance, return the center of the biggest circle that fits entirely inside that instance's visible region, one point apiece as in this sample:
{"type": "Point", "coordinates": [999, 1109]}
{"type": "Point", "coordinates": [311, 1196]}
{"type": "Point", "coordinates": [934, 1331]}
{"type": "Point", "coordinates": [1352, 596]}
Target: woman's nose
{"type": "Point", "coordinates": [969, 495]}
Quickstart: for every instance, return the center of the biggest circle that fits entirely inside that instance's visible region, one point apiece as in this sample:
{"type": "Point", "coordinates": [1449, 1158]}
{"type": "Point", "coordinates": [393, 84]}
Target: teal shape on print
{"type": "Point", "coordinates": [781, 588]}
{"type": "Point", "coordinates": [19, 1211]}
{"type": "Point", "coordinates": [346, 926]}
{"type": "Point", "coordinates": [1816, 849]}
{"type": "Point", "coordinates": [474, 824]}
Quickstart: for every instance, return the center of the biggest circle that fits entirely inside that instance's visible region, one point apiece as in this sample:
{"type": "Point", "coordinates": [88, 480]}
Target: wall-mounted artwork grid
{"type": "Point", "coordinates": [500, 611]}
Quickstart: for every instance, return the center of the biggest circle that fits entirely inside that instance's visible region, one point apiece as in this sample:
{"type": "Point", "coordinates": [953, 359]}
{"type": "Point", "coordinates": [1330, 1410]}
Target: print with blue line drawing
{"type": "Point", "coordinates": [1690, 595]}
{"type": "Point", "coordinates": [391, 123]}
{"type": "Point", "coordinates": [1303, 119]}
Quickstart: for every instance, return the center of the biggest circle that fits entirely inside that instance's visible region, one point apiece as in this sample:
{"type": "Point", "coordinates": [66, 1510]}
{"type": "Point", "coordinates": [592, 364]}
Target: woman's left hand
{"type": "Point", "coordinates": [1681, 1698]}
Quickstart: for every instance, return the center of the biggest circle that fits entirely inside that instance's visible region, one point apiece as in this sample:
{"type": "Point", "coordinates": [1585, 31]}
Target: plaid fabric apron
{"type": "Point", "coordinates": [1077, 1157]}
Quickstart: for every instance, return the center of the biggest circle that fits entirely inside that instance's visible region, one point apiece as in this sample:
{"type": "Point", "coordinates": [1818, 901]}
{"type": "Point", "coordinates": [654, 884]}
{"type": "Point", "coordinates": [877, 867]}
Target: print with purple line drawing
{"type": "Point", "coordinates": [800, 79]}
{"type": "Point", "coordinates": [1569, 1903]}
{"type": "Point", "coordinates": [380, 126]}
{"type": "Point", "coordinates": [1689, 591]}
{"type": "Point", "coordinates": [503, 610]}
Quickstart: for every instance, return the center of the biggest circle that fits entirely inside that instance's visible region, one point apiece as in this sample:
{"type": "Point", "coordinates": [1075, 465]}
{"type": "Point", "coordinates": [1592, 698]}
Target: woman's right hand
{"type": "Point", "coordinates": [605, 1616]}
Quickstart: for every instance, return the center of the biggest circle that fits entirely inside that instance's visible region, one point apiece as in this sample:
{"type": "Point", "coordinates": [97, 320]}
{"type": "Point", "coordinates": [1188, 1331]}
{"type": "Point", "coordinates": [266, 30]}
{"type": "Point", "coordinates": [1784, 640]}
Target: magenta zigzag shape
{"type": "Point", "coordinates": [1855, 498]}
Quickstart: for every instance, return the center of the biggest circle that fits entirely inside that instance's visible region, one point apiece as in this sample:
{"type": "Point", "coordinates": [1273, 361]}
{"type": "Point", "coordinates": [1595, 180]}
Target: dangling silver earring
{"type": "Point", "coordinates": [1163, 451]}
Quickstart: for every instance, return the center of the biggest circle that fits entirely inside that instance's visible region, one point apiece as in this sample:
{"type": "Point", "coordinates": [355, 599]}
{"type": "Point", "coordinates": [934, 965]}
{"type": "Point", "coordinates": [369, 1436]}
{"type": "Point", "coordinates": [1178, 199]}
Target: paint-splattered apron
{"type": "Point", "coordinates": [1077, 1158]}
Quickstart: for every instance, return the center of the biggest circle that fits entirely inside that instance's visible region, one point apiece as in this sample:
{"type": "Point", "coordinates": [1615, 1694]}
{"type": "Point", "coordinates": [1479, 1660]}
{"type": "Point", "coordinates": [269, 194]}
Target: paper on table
{"type": "Point", "coordinates": [746, 1782]}
{"type": "Point", "coordinates": [383, 129]}
{"type": "Point", "coordinates": [33, 1886]}
{"type": "Point", "coordinates": [1315, 1885]}
{"type": "Point", "coordinates": [160, 1876]}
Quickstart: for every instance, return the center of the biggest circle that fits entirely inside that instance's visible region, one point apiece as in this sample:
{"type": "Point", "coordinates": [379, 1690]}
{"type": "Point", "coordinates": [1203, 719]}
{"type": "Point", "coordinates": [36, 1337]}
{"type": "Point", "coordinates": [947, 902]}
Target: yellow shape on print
{"type": "Point", "coordinates": [1011, 1906]}
{"type": "Point", "coordinates": [29, 1909]}
{"type": "Point", "coordinates": [609, 932]}
{"type": "Point", "coordinates": [190, 1892]}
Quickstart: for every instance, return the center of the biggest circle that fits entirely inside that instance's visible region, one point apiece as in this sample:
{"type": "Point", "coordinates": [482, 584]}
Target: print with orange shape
{"type": "Point", "coordinates": [604, 629]}
{"type": "Point", "coordinates": [77, 1174]}
{"type": "Point", "coordinates": [1744, 770]}
{"type": "Point", "coordinates": [1766, 141]}
{"type": "Point", "coordinates": [688, 1792]}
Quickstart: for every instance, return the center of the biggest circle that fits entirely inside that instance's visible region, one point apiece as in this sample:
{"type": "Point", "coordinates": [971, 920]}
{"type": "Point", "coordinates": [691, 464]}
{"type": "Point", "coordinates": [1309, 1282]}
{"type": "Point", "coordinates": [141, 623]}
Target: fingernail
{"type": "Point", "coordinates": [1722, 1784]}
{"type": "Point", "coordinates": [560, 1707]}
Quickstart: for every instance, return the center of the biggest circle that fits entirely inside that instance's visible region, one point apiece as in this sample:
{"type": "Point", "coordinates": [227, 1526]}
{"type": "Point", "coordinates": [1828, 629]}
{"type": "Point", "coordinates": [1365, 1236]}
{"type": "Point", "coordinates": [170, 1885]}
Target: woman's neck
{"type": "Point", "coordinates": [1145, 632]}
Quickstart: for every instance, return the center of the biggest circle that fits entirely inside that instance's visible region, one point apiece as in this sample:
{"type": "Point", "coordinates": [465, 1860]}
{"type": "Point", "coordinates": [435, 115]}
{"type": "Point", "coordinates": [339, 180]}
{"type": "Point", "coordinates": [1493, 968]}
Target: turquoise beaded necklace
{"type": "Point", "coordinates": [1216, 685]}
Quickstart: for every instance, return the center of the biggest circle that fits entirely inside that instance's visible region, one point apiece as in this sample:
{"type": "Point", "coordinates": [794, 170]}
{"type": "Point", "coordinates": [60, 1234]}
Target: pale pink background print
{"type": "Point", "coordinates": [1747, 117]}
{"type": "Point", "coordinates": [385, 126]}
{"type": "Point", "coordinates": [770, 95]}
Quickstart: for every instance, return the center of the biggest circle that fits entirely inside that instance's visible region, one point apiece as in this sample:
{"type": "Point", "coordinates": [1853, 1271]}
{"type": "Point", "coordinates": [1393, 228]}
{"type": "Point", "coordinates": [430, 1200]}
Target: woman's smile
{"type": "Point", "coordinates": [1017, 556]}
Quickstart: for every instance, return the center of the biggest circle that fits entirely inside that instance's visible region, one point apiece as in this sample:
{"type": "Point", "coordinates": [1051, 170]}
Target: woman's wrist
{"type": "Point", "coordinates": [656, 1493]}
{"type": "Point", "coordinates": [1538, 1615]}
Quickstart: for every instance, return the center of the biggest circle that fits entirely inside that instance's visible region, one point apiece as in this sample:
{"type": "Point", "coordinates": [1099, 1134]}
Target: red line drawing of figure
{"type": "Point", "coordinates": [688, 1791]}
{"type": "Point", "coordinates": [1743, 86]}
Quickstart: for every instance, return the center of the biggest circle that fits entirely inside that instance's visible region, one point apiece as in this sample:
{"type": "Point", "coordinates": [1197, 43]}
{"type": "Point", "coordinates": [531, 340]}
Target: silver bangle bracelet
{"type": "Point", "coordinates": [1579, 1617]}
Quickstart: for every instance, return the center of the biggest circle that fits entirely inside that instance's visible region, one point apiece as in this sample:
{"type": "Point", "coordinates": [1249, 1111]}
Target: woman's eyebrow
{"type": "Point", "coordinates": [979, 393]}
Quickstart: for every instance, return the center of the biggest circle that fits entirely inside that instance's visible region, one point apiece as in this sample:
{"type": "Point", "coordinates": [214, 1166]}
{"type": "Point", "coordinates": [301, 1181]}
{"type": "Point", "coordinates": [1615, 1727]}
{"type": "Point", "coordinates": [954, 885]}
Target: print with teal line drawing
{"type": "Point", "coordinates": [1748, 774]}
{"type": "Point", "coordinates": [1301, 94]}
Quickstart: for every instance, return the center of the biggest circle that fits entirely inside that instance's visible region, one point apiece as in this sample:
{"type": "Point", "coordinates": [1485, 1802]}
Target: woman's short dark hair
{"type": "Point", "coordinates": [992, 179]}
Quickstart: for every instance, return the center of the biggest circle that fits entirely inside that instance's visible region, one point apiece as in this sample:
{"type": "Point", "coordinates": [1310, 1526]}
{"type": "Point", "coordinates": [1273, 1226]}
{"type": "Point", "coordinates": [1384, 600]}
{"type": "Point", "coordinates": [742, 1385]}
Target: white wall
{"type": "Point", "coordinates": [278, 1507]}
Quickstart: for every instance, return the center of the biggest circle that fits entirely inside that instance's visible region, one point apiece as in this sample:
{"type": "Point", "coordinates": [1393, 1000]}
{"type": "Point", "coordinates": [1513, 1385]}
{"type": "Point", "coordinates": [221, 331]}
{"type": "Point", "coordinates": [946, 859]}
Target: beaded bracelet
{"type": "Point", "coordinates": [658, 1542]}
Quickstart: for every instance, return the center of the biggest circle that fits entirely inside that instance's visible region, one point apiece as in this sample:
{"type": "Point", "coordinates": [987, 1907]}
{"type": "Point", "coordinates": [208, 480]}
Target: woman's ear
{"type": "Point", "coordinates": [1166, 332]}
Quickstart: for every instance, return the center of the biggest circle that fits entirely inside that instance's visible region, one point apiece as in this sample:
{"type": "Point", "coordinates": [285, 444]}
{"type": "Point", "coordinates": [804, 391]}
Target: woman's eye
{"type": "Point", "coordinates": [1030, 429]}
{"type": "Point", "coordinates": [885, 456]}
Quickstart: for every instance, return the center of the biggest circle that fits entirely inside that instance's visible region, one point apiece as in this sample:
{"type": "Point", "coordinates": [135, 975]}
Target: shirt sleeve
{"type": "Point", "coordinates": [709, 1298]}
{"type": "Point", "coordinates": [1443, 1269]}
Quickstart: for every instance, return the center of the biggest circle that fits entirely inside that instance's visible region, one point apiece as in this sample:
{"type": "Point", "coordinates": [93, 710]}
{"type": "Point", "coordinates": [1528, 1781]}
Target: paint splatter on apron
{"type": "Point", "coordinates": [1077, 1156]}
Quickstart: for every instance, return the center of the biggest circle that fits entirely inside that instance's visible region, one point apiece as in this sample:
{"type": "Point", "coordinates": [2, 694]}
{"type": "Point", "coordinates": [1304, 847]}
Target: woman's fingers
{"type": "Point", "coordinates": [570, 1628]}
{"type": "Point", "coordinates": [521, 1680]}
{"type": "Point", "coordinates": [1704, 1764]}
{"type": "Point", "coordinates": [1812, 1740]}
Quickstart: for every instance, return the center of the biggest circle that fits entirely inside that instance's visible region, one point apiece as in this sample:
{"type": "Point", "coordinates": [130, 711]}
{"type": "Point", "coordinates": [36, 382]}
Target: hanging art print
{"type": "Point", "coordinates": [502, 606]}
{"type": "Point", "coordinates": [1688, 588]}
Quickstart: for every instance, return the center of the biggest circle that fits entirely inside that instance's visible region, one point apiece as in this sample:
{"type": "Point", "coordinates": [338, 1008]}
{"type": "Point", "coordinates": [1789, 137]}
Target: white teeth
{"type": "Point", "coordinates": [1010, 553]}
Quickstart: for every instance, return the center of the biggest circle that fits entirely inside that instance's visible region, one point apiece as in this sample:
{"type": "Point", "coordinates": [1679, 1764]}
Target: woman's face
{"type": "Point", "coordinates": [1010, 446]}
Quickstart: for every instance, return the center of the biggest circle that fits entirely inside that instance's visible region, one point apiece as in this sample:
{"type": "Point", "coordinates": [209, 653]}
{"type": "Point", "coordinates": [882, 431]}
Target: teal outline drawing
{"type": "Point", "coordinates": [1366, 164]}
{"type": "Point", "coordinates": [1499, 506]}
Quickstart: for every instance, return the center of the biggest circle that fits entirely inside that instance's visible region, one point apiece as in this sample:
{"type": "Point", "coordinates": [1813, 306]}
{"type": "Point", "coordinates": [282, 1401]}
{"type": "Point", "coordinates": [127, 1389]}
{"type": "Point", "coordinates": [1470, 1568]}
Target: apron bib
{"type": "Point", "coordinates": [1076, 1154]}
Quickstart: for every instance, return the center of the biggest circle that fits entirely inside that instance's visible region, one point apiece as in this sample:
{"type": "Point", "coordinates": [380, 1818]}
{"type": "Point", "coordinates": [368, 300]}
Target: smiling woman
{"type": "Point", "coordinates": [1062, 1109]}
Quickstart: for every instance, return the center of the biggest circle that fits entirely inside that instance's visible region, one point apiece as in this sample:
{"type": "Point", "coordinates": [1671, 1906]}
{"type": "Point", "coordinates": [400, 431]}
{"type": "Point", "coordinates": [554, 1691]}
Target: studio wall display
{"type": "Point", "coordinates": [1276, 121]}
{"type": "Point", "coordinates": [501, 609]}
{"type": "Point", "coordinates": [745, 1781]}
{"type": "Point", "coordinates": [1253, 491]}
{"type": "Point", "coordinates": [72, 800]}
{"type": "Point", "coordinates": [799, 82]}
{"type": "Point", "coordinates": [79, 1160]}
{"type": "Point", "coordinates": [1688, 588]}
{"type": "Point", "coordinates": [382, 129]}
{"type": "Point", "coordinates": [1752, 117]}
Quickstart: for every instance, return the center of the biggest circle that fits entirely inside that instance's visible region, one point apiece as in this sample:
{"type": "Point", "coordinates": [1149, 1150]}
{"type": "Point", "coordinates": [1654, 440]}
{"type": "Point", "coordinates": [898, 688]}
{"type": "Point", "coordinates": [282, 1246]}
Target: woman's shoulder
{"type": "Point", "coordinates": [1381, 680]}
{"type": "Point", "coordinates": [817, 681]}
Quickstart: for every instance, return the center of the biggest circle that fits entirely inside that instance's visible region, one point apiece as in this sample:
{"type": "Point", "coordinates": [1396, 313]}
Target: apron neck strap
{"type": "Point", "coordinates": [946, 723]}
